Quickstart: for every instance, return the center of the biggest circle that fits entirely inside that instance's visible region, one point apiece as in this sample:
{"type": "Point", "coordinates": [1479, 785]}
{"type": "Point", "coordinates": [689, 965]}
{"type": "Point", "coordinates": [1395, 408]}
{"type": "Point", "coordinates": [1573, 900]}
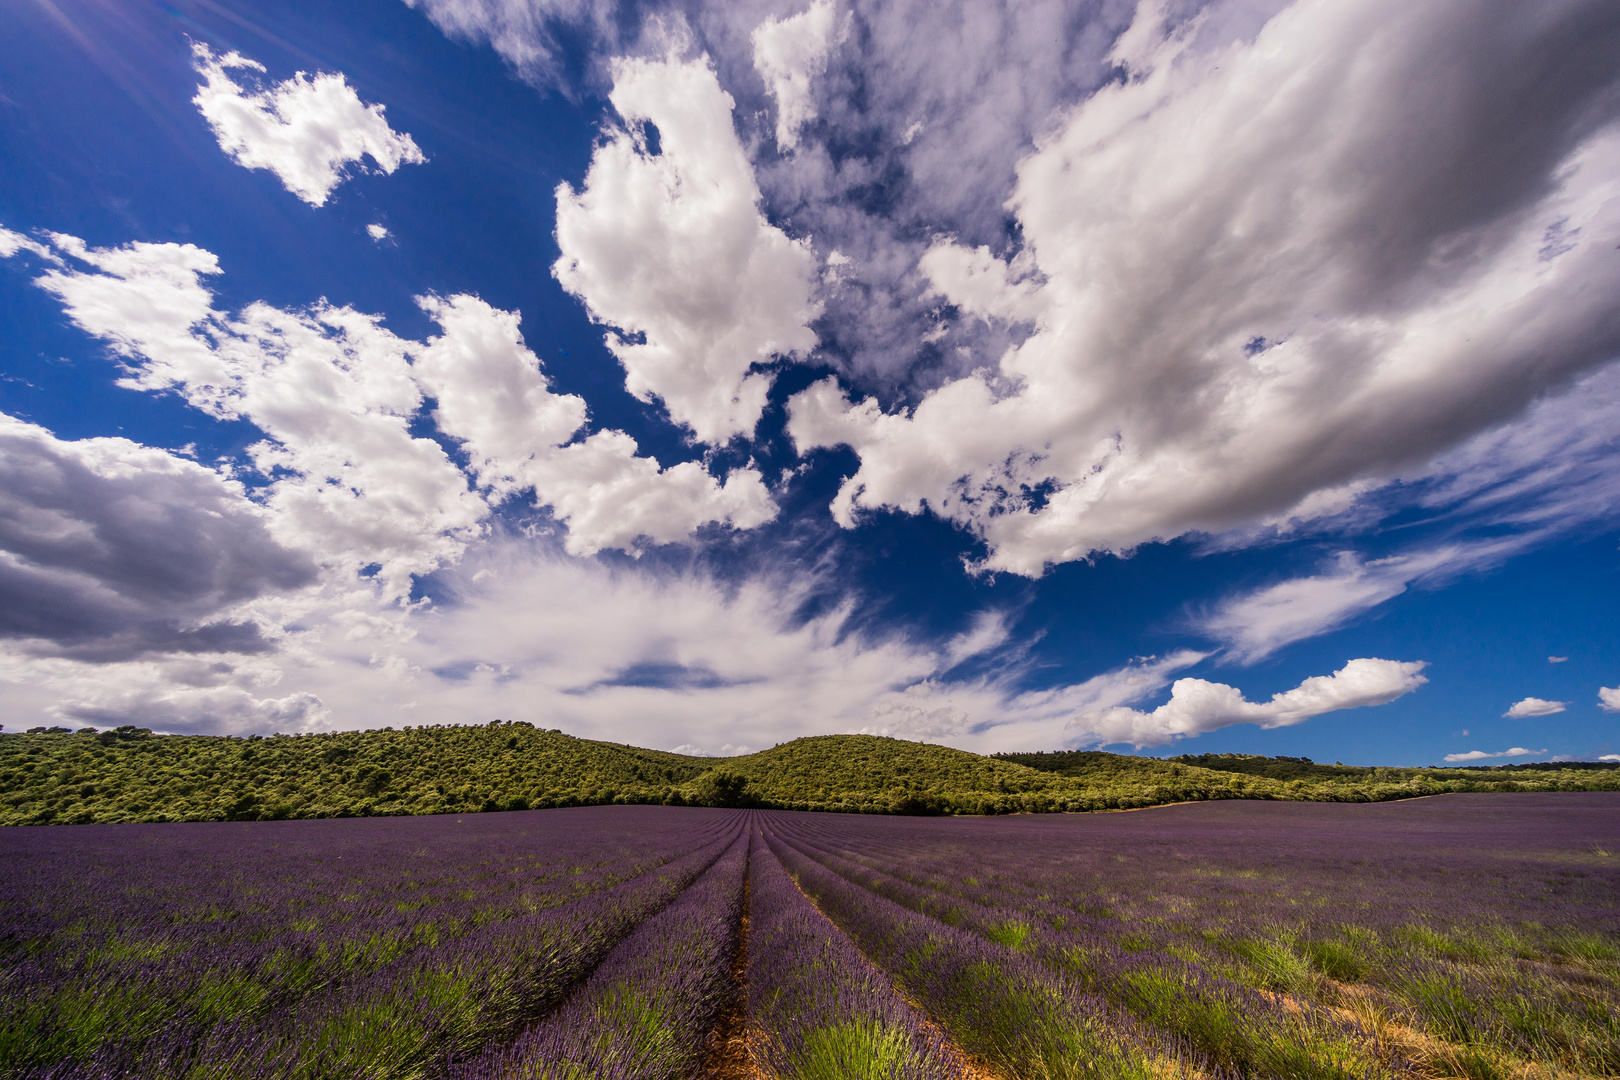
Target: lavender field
{"type": "Point", "coordinates": [1465, 935]}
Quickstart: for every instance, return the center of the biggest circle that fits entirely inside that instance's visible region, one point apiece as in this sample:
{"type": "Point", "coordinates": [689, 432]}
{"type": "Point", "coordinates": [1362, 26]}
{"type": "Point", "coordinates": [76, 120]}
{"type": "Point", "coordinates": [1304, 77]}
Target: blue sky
{"type": "Point", "coordinates": [1171, 376]}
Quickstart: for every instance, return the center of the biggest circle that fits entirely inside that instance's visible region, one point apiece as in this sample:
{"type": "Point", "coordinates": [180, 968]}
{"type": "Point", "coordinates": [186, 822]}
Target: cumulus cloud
{"type": "Point", "coordinates": [981, 285]}
{"type": "Point", "coordinates": [110, 550]}
{"type": "Point", "coordinates": [1224, 324]}
{"type": "Point", "coordinates": [336, 392]}
{"type": "Point", "coordinates": [1481, 755]}
{"type": "Point", "coordinates": [330, 387]}
{"type": "Point", "coordinates": [788, 53]}
{"type": "Point", "coordinates": [919, 134]}
{"type": "Point", "coordinates": [307, 130]}
{"type": "Point", "coordinates": [493, 398]}
{"type": "Point", "coordinates": [377, 232]}
{"type": "Point", "coordinates": [671, 249]}
{"type": "Point", "coordinates": [1534, 706]}
{"type": "Point", "coordinates": [1609, 698]}
{"type": "Point", "coordinates": [1197, 706]}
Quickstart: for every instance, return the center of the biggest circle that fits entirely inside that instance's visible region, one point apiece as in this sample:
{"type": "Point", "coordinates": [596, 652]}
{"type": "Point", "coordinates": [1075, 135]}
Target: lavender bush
{"type": "Point", "coordinates": [646, 1012]}
{"type": "Point", "coordinates": [820, 1010]}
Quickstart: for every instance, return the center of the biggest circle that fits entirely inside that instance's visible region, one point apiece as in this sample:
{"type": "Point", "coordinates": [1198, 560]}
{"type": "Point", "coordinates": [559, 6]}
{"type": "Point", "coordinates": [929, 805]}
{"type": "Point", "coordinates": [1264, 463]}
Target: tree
{"type": "Point", "coordinates": [721, 787]}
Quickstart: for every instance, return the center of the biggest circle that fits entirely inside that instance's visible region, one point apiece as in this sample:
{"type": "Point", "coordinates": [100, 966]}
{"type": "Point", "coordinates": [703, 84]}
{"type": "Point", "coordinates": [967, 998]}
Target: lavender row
{"type": "Point", "coordinates": [151, 886]}
{"type": "Point", "coordinates": [1488, 924]}
{"type": "Point", "coordinates": [1394, 864]}
{"type": "Point", "coordinates": [1231, 1024]}
{"type": "Point", "coordinates": [280, 1008]}
{"type": "Point", "coordinates": [1002, 1007]}
{"type": "Point", "coordinates": [817, 1008]}
{"type": "Point", "coordinates": [646, 1012]}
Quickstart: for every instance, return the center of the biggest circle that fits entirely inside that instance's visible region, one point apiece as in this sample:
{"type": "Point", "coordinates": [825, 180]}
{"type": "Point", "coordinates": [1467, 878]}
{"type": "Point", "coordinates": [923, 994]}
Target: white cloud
{"type": "Point", "coordinates": [491, 394]}
{"type": "Point", "coordinates": [212, 694]}
{"type": "Point", "coordinates": [641, 654]}
{"type": "Point", "coordinates": [1609, 698]}
{"type": "Point", "coordinates": [1197, 706]}
{"type": "Point", "coordinates": [335, 393]}
{"type": "Point", "coordinates": [1254, 625]}
{"type": "Point", "coordinates": [1557, 659]}
{"type": "Point", "coordinates": [145, 302]}
{"type": "Point", "coordinates": [1610, 757]}
{"type": "Point", "coordinates": [13, 242]}
{"type": "Point", "coordinates": [1534, 706]}
{"type": "Point", "coordinates": [672, 250]}
{"type": "Point", "coordinates": [988, 631]}
{"type": "Point", "coordinates": [926, 111]}
{"type": "Point", "coordinates": [993, 715]}
{"type": "Point", "coordinates": [377, 232]}
{"type": "Point", "coordinates": [330, 387]}
{"type": "Point", "coordinates": [1226, 326]}
{"type": "Point", "coordinates": [980, 284]}
{"type": "Point", "coordinates": [1553, 468]}
{"type": "Point", "coordinates": [494, 399]}
{"type": "Point", "coordinates": [1480, 755]}
{"type": "Point", "coordinates": [307, 130]}
{"type": "Point", "coordinates": [788, 53]}
{"type": "Point", "coordinates": [633, 653]}
{"type": "Point", "coordinates": [915, 714]}
{"type": "Point", "coordinates": [524, 32]}
{"type": "Point", "coordinates": [1549, 471]}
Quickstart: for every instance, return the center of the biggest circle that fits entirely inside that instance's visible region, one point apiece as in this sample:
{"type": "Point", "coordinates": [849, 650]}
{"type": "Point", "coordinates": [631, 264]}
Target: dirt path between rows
{"type": "Point", "coordinates": [730, 1056]}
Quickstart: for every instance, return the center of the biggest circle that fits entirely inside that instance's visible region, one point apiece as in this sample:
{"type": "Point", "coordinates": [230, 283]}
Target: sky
{"type": "Point", "coordinates": [1165, 377]}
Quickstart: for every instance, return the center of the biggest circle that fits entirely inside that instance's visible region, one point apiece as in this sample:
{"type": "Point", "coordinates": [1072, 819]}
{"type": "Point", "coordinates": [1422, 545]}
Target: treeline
{"type": "Point", "coordinates": [1302, 778]}
{"type": "Point", "coordinates": [60, 776]}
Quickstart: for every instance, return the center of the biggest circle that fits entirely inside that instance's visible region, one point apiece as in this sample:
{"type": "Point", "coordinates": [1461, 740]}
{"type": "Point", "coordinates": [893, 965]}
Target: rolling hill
{"type": "Point", "coordinates": [58, 776]}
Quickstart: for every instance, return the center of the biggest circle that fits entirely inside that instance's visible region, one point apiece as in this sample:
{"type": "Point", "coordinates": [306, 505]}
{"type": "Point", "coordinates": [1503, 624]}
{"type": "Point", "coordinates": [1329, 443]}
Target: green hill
{"type": "Point", "coordinates": [58, 776]}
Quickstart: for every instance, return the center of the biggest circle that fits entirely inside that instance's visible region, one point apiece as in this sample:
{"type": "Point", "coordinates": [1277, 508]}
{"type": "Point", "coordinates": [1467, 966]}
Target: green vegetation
{"type": "Point", "coordinates": [1254, 776]}
{"type": "Point", "coordinates": [58, 776]}
{"type": "Point", "coordinates": [132, 775]}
